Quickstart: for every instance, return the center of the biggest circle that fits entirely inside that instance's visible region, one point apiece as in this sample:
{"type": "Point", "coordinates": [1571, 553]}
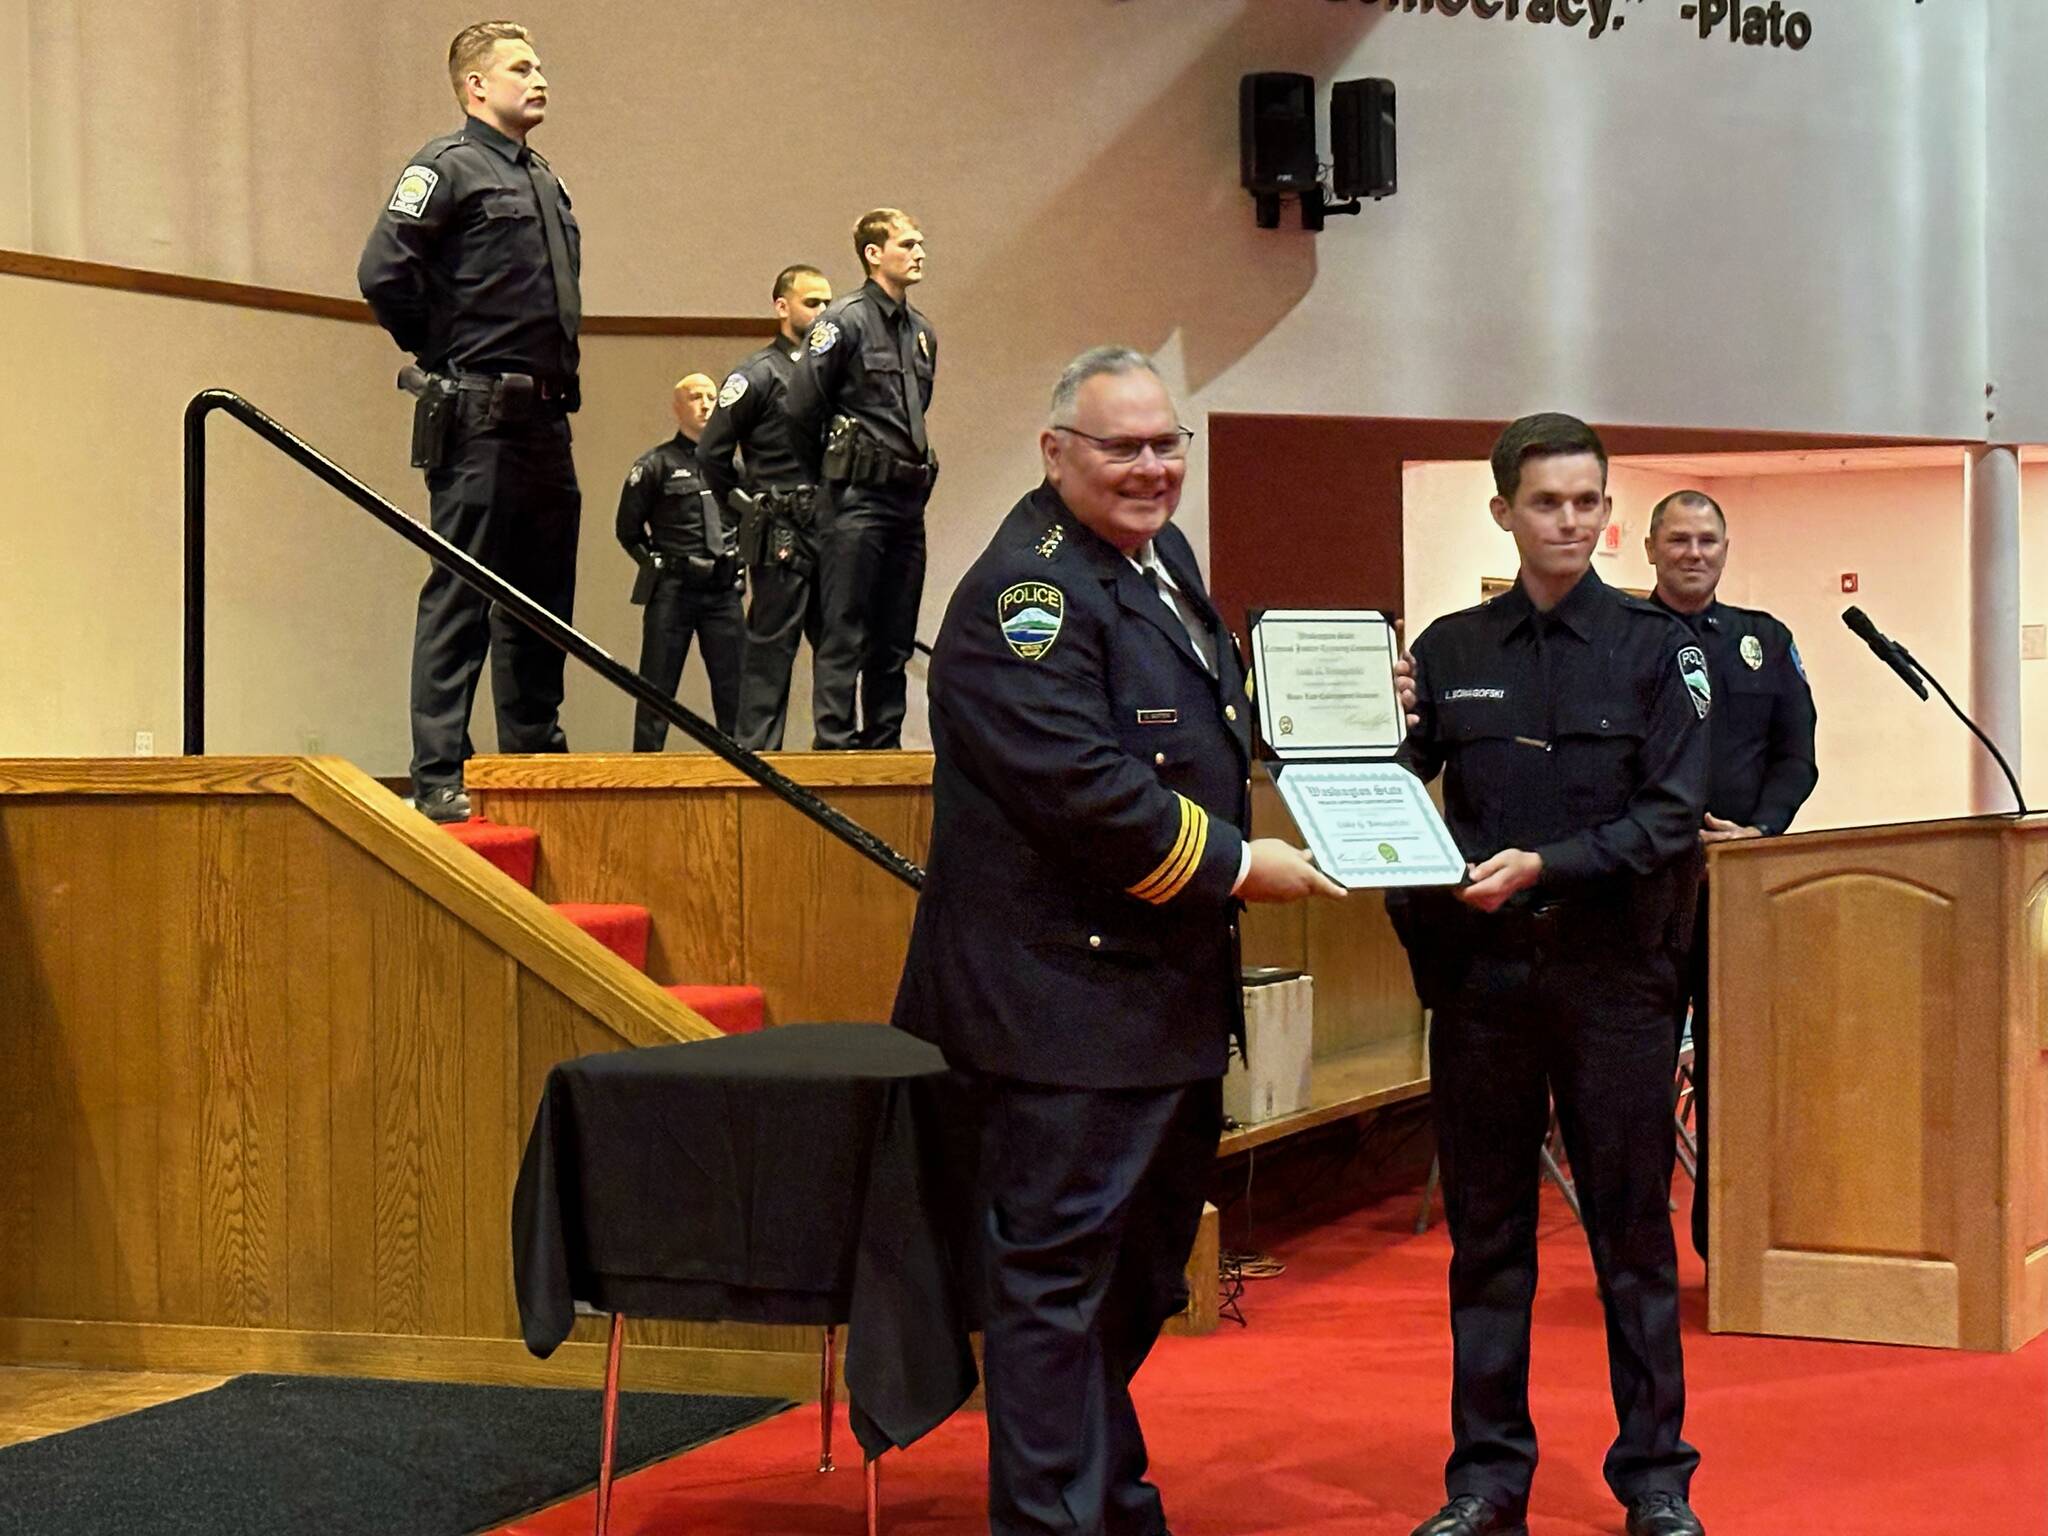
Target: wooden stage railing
{"type": "Point", "coordinates": [274, 1043]}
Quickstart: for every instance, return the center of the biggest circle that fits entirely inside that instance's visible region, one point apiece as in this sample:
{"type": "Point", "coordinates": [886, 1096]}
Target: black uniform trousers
{"type": "Point", "coordinates": [509, 499]}
{"type": "Point", "coordinates": [1092, 1201]}
{"type": "Point", "coordinates": [871, 554]}
{"type": "Point", "coordinates": [675, 615]}
{"type": "Point", "coordinates": [783, 612]}
{"type": "Point", "coordinates": [1523, 1026]}
{"type": "Point", "coordinates": [1694, 998]}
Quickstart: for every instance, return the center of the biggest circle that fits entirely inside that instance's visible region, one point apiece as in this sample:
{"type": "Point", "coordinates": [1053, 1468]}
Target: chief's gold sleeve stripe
{"type": "Point", "coordinates": [1178, 867]}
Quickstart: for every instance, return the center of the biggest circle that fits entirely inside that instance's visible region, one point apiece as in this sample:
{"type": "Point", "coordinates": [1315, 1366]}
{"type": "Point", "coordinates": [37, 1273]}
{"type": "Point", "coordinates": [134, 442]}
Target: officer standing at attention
{"type": "Point", "coordinates": [856, 405]}
{"type": "Point", "coordinates": [1760, 741]}
{"type": "Point", "coordinates": [1075, 952]}
{"type": "Point", "coordinates": [775, 498]}
{"type": "Point", "coordinates": [671, 523]}
{"type": "Point", "coordinates": [1568, 721]}
{"type": "Point", "coordinates": [473, 267]}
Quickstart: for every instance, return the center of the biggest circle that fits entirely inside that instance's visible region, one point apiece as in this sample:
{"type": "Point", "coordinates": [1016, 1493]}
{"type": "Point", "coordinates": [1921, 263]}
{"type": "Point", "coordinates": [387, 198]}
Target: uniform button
{"type": "Point", "coordinates": [1159, 758]}
{"type": "Point", "coordinates": [1603, 725]}
{"type": "Point", "coordinates": [1230, 711]}
{"type": "Point", "coordinates": [1095, 941]}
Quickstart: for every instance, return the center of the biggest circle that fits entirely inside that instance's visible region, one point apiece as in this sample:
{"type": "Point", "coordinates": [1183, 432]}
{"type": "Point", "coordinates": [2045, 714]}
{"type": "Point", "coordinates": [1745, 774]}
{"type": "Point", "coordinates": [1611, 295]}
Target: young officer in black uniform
{"type": "Point", "coordinates": [473, 267]}
{"type": "Point", "coordinates": [1569, 723]}
{"type": "Point", "coordinates": [1761, 739]}
{"type": "Point", "coordinates": [775, 498]}
{"type": "Point", "coordinates": [856, 405]}
{"type": "Point", "coordinates": [671, 523]}
{"type": "Point", "coordinates": [1075, 952]}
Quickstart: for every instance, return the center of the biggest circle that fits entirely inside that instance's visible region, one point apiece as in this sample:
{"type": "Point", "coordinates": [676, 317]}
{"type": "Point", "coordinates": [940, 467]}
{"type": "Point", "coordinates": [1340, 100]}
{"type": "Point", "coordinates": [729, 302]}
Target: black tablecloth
{"type": "Point", "coordinates": [812, 1173]}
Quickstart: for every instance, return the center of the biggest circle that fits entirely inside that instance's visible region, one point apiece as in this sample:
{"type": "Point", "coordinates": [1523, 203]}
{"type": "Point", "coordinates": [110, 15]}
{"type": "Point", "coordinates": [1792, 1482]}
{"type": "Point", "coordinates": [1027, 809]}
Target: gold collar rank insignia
{"type": "Point", "coordinates": [1030, 614]}
{"type": "Point", "coordinates": [1753, 652]}
{"type": "Point", "coordinates": [1049, 545]}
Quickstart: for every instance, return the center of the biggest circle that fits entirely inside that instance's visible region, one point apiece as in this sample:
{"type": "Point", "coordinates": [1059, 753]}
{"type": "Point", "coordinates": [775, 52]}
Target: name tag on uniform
{"type": "Point", "coordinates": [1159, 717]}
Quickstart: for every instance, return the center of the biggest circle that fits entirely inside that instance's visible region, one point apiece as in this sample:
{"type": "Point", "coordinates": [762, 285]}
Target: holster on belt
{"type": "Point", "coordinates": [435, 403]}
{"type": "Point", "coordinates": [855, 456]}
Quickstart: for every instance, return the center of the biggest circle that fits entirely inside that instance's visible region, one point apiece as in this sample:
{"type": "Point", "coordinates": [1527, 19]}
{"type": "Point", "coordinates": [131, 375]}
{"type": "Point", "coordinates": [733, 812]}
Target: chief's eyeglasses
{"type": "Point", "coordinates": [1170, 447]}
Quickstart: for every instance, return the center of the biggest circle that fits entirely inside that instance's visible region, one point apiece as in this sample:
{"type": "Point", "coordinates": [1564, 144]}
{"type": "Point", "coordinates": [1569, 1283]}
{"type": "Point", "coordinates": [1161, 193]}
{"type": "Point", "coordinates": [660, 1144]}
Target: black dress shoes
{"type": "Point", "coordinates": [1663, 1514]}
{"type": "Point", "coordinates": [1470, 1515]}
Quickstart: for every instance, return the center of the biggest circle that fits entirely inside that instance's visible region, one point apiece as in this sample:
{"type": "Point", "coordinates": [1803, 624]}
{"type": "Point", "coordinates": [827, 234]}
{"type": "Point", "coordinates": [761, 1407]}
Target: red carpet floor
{"type": "Point", "coordinates": [1327, 1415]}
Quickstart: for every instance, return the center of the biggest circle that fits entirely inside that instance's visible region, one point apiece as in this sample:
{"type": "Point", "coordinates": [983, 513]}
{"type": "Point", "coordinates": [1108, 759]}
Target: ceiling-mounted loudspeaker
{"type": "Point", "coordinates": [1276, 132]}
{"type": "Point", "coordinates": [1362, 138]}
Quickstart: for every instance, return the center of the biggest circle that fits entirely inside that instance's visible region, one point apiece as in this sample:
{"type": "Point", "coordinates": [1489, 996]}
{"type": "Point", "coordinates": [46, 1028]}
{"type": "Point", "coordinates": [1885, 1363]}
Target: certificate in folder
{"type": "Point", "coordinates": [1331, 717]}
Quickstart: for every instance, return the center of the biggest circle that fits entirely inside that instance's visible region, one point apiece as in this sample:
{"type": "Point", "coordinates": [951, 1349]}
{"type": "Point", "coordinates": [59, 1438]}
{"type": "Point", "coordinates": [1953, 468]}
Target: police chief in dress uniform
{"type": "Point", "coordinates": [1075, 952]}
{"type": "Point", "coordinates": [672, 524]}
{"type": "Point", "coordinates": [1760, 739]}
{"type": "Point", "coordinates": [775, 497]}
{"type": "Point", "coordinates": [1568, 721]}
{"type": "Point", "coordinates": [473, 267]}
{"type": "Point", "coordinates": [856, 405]}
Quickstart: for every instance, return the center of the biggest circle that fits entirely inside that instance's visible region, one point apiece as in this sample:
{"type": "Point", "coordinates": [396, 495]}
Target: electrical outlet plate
{"type": "Point", "coordinates": [2034, 642]}
{"type": "Point", "coordinates": [145, 743]}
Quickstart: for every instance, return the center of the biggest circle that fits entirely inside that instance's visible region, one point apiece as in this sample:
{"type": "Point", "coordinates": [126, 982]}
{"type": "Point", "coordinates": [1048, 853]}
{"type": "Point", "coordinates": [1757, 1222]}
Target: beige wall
{"type": "Point", "coordinates": [310, 602]}
{"type": "Point", "coordinates": [1884, 755]}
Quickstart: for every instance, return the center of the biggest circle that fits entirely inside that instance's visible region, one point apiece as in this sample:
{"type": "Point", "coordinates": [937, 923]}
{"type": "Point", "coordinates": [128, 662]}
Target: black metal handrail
{"type": "Point", "coordinates": [491, 585]}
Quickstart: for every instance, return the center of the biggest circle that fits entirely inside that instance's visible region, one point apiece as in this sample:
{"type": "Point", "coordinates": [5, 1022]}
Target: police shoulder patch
{"type": "Point", "coordinates": [1752, 652]}
{"type": "Point", "coordinates": [1792, 650]}
{"type": "Point", "coordinates": [1030, 615]}
{"type": "Point", "coordinates": [639, 473]}
{"type": "Point", "coordinates": [1692, 666]}
{"type": "Point", "coordinates": [734, 387]}
{"type": "Point", "coordinates": [416, 184]}
{"type": "Point", "coordinates": [824, 337]}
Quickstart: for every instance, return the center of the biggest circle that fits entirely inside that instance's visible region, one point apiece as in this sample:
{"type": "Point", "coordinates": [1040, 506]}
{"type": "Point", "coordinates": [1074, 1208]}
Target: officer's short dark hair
{"type": "Point", "coordinates": [1550, 435]}
{"type": "Point", "coordinates": [873, 229]}
{"type": "Point", "coordinates": [472, 48]}
{"type": "Point", "coordinates": [1699, 500]}
{"type": "Point", "coordinates": [785, 280]}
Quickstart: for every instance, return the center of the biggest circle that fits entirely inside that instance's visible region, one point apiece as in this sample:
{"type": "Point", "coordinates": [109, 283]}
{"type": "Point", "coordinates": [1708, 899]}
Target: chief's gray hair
{"type": "Point", "coordinates": [1094, 363]}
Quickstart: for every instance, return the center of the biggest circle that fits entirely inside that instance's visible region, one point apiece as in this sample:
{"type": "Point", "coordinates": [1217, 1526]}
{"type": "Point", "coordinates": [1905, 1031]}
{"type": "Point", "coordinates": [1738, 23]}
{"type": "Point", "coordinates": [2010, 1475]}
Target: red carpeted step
{"type": "Point", "coordinates": [512, 849]}
{"type": "Point", "coordinates": [620, 928]}
{"type": "Point", "coordinates": [736, 1010]}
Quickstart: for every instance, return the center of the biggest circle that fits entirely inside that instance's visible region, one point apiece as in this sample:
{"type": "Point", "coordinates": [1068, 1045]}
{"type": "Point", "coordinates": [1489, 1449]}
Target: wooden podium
{"type": "Point", "coordinates": [1879, 1092]}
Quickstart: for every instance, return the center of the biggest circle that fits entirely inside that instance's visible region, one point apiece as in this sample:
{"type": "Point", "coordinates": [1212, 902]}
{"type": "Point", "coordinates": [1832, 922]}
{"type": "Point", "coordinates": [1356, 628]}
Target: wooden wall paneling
{"type": "Point", "coordinates": [21, 990]}
{"type": "Point", "coordinates": [181, 1066]}
{"type": "Point", "coordinates": [403, 979]}
{"type": "Point", "coordinates": [675, 853]}
{"type": "Point", "coordinates": [352, 1084]}
{"type": "Point", "coordinates": [826, 931]}
{"type": "Point", "coordinates": [309, 1007]}
{"type": "Point", "coordinates": [444, 1236]}
{"type": "Point", "coordinates": [1363, 970]}
{"type": "Point", "coordinates": [489, 1026]}
{"type": "Point", "coordinates": [49, 1109]}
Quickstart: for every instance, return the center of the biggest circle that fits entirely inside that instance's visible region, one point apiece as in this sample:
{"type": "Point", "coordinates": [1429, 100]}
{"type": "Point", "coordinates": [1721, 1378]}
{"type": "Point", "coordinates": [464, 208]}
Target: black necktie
{"type": "Point", "coordinates": [568, 301]}
{"type": "Point", "coordinates": [913, 397]}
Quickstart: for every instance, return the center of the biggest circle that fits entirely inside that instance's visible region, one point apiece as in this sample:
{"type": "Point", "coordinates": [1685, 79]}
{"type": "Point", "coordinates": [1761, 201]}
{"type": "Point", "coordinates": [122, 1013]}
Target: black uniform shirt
{"type": "Point", "coordinates": [1577, 734]}
{"type": "Point", "coordinates": [1761, 735]}
{"type": "Point", "coordinates": [666, 505]}
{"type": "Point", "coordinates": [749, 419]}
{"type": "Point", "coordinates": [457, 267]}
{"type": "Point", "coordinates": [854, 364]}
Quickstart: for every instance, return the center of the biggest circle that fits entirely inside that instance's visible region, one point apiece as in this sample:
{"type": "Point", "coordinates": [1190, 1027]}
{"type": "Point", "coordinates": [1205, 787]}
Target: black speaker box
{"type": "Point", "coordinates": [1362, 138]}
{"type": "Point", "coordinates": [1276, 123]}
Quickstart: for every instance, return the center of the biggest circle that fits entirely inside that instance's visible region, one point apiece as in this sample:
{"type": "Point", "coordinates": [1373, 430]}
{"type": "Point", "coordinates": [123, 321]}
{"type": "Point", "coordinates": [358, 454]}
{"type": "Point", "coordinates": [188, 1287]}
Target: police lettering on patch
{"type": "Point", "coordinates": [824, 337]}
{"type": "Point", "coordinates": [1030, 614]}
{"type": "Point", "coordinates": [416, 184]}
{"type": "Point", "coordinates": [1753, 652]}
{"type": "Point", "coordinates": [735, 386]}
{"type": "Point", "coordinates": [1692, 666]}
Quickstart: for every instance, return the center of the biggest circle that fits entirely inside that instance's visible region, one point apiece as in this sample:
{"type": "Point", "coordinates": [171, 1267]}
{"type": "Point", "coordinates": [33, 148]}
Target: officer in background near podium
{"type": "Point", "coordinates": [1568, 721]}
{"type": "Point", "coordinates": [473, 267]}
{"type": "Point", "coordinates": [856, 405]}
{"type": "Point", "coordinates": [1761, 736]}
{"type": "Point", "coordinates": [773, 497]}
{"type": "Point", "coordinates": [671, 523]}
{"type": "Point", "coordinates": [1075, 951]}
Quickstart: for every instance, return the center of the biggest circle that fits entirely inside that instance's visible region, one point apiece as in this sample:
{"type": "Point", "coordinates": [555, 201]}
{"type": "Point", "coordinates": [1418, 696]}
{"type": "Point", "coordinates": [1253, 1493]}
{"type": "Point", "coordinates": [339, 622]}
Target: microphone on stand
{"type": "Point", "coordinates": [1890, 652]}
{"type": "Point", "coordinates": [1902, 661]}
